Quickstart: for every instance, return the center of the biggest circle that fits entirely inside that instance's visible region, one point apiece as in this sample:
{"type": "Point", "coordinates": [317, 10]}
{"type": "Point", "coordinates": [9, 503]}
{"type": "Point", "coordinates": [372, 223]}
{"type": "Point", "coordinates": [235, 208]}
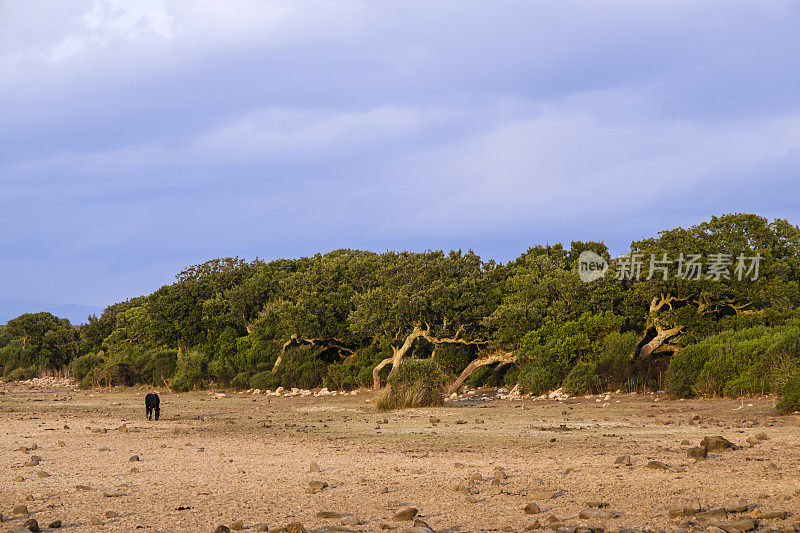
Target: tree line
{"type": "Point", "coordinates": [353, 318]}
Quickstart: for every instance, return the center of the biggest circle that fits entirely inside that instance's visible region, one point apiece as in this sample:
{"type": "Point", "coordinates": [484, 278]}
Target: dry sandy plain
{"type": "Point", "coordinates": [212, 461]}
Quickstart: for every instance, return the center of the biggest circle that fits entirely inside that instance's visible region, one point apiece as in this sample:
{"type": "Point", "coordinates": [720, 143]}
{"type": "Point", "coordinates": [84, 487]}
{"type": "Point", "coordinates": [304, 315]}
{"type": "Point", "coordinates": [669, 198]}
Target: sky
{"type": "Point", "coordinates": [141, 137]}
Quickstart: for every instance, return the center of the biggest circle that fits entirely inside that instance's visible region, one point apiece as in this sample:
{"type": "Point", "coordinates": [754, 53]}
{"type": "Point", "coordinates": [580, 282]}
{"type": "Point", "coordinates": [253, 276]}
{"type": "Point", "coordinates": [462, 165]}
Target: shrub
{"type": "Point", "coordinates": [789, 397]}
{"type": "Point", "coordinates": [342, 376]}
{"type": "Point", "coordinates": [241, 381]}
{"type": "Point", "coordinates": [417, 383]}
{"type": "Point", "coordinates": [84, 364]}
{"type": "Point", "coordinates": [453, 358]}
{"type": "Point", "coordinates": [191, 369]}
{"type": "Point", "coordinates": [582, 379]}
{"type": "Point", "coordinates": [265, 381]}
{"type": "Point", "coordinates": [535, 378]}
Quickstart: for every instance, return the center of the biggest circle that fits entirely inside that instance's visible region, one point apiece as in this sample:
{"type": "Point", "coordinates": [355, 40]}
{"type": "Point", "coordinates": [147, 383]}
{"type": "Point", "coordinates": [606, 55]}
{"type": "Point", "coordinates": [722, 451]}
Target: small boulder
{"type": "Point", "coordinates": [405, 514]}
{"type": "Point", "coordinates": [31, 525]}
{"type": "Point", "coordinates": [717, 443]}
{"type": "Point", "coordinates": [222, 528]}
{"type": "Point", "coordinates": [133, 459]}
{"type": "Point", "coordinates": [532, 508]}
{"type": "Point", "coordinates": [697, 452]}
{"type": "Point", "coordinates": [237, 525]}
{"type": "Point", "coordinates": [657, 465]}
{"type": "Point", "coordinates": [624, 460]}
{"type": "Point", "coordinates": [55, 524]}
{"type": "Point", "coordinates": [20, 509]}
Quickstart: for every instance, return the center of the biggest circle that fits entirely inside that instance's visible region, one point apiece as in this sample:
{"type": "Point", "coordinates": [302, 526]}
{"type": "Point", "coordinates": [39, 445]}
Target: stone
{"type": "Point", "coordinates": [752, 441]}
{"type": "Point", "coordinates": [112, 494]}
{"type": "Point", "coordinates": [624, 460]}
{"type": "Point", "coordinates": [593, 513]}
{"type": "Point", "coordinates": [771, 515]}
{"type": "Point", "coordinates": [533, 526]}
{"type": "Point", "coordinates": [61, 443]}
{"type": "Point", "coordinates": [743, 524]}
{"type": "Point", "coordinates": [762, 436]}
{"type": "Point", "coordinates": [717, 443]}
{"type": "Point", "coordinates": [42, 473]}
{"type": "Point", "coordinates": [350, 521]}
{"type": "Point", "coordinates": [657, 465]}
{"type": "Point", "coordinates": [736, 506]}
{"type": "Point", "coordinates": [133, 459]}
{"type": "Point", "coordinates": [716, 512]}
{"type": "Point", "coordinates": [262, 527]}
{"type": "Point", "coordinates": [55, 524]}
{"type": "Point", "coordinates": [19, 478]}
{"type": "Point", "coordinates": [31, 525]}
{"type": "Point", "coordinates": [29, 498]}
{"type": "Point", "coordinates": [294, 527]}
{"type": "Point", "coordinates": [314, 467]}
{"type": "Point", "coordinates": [532, 508]}
{"type": "Point", "coordinates": [123, 428]}
{"type": "Point", "coordinates": [405, 514]}
{"type": "Point", "coordinates": [222, 528]}
{"type": "Point", "coordinates": [96, 521]}
{"type": "Point", "coordinates": [597, 504]}
{"type": "Point", "coordinates": [83, 487]}
{"type": "Point", "coordinates": [327, 514]}
{"type": "Point", "coordinates": [697, 452]}
{"type": "Point", "coordinates": [317, 485]}
{"type": "Point", "coordinates": [237, 525]}
{"type": "Point", "coordinates": [20, 509]}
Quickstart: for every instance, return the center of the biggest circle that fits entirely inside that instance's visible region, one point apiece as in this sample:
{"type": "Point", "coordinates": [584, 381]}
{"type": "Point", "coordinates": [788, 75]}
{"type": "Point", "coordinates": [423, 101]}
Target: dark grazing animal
{"type": "Point", "coordinates": [152, 403]}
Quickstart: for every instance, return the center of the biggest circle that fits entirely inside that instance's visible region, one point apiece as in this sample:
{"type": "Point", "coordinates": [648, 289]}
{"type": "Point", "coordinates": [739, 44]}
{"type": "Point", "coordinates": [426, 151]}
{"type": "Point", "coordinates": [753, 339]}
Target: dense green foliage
{"type": "Point", "coordinates": [329, 320]}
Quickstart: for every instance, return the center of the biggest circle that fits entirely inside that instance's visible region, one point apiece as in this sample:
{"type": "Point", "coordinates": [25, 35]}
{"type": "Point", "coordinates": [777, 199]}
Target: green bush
{"type": "Point", "coordinates": [582, 379]}
{"type": "Point", "coordinates": [535, 378]}
{"type": "Point", "coordinates": [21, 374]}
{"type": "Point", "coordinates": [241, 381]}
{"type": "Point", "coordinates": [191, 371]}
{"type": "Point", "coordinates": [453, 358]}
{"type": "Point", "coordinates": [84, 364]}
{"type": "Point", "coordinates": [789, 397]}
{"type": "Point", "coordinates": [342, 376]}
{"type": "Point", "coordinates": [265, 381]}
{"type": "Point", "coordinates": [417, 383]}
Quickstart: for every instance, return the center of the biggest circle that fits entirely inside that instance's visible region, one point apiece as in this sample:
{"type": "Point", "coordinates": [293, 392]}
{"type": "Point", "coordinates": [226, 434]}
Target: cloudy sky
{"type": "Point", "coordinates": [141, 136]}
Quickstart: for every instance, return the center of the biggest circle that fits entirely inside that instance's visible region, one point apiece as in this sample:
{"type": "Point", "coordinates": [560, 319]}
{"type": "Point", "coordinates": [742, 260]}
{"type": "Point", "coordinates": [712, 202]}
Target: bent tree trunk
{"type": "Point", "coordinates": [662, 334]}
{"type": "Point", "coordinates": [397, 357]}
{"type": "Point", "coordinates": [499, 357]}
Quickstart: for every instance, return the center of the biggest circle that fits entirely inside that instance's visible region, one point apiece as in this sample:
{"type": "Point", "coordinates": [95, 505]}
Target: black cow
{"type": "Point", "coordinates": [152, 403]}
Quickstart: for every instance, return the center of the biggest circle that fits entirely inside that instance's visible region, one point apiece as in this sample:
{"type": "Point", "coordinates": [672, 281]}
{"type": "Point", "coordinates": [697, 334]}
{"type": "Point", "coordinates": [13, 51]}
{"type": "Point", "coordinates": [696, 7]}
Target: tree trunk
{"type": "Point", "coordinates": [501, 357]}
{"type": "Point", "coordinates": [397, 357]}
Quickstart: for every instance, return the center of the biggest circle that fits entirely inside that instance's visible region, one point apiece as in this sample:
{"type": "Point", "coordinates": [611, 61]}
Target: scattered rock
{"type": "Point", "coordinates": [42, 473]}
{"type": "Point", "coordinates": [55, 524]}
{"type": "Point", "coordinates": [317, 485]}
{"type": "Point", "coordinates": [314, 467]}
{"type": "Point", "coordinates": [20, 509]}
{"type": "Point", "coordinates": [83, 487]}
{"type": "Point", "coordinates": [112, 494]}
{"type": "Point", "coordinates": [222, 528]}
{"type": "Point", "coordinates": [532, 508]}
{"type": "Point", "coordinates": [96, 521]}
{"type": "Point", "coordinates": [328, 514]}
{"type": "Point", "coordinates": [237, 525]}
{"type": "Point", "coordinates": [31, 525]}
{"type": "Point", "coordinates": [717, 443]}
{"type": "Point", "coordinates": [697, 452]}
{"type": "Point", "coordinates": [350, 521]}
{"type": "Point", "coordinates": [657, 465]}
{"type": "Point", "coordinates": [743, 524]}
{"type": "Point", "coordinates": [624, 460]}
{"type": "Point", "coordinates": [133, 459]}
{"type": "Point", "coordinates": [738, 506]}
{"type": "Point", "coordinates": [405, 514]}
{"type": "Point", "coordinates": [594, 513]}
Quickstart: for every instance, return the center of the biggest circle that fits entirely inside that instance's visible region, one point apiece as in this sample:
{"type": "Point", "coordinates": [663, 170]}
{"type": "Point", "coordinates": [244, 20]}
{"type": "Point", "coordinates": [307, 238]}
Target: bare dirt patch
{"type": "Point", "coordinates": [212, 461]}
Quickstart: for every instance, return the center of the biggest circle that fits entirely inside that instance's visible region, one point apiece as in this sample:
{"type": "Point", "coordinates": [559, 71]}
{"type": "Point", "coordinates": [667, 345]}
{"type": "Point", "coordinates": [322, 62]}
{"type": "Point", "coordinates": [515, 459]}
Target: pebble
{"type": "Point", "coordinates": [327, 514]}
{"type": "Point", "coordinates": [405, 514]}
{"type": "Point", "coordinates": [594, 513]}
{"type": "Point", "coordinates": [237, 525]}
{"type": "Point", "coordinates": [624, 460]}
{"type": "Point", "coordinates": [55, 524]}
{"type": "Point", "coordinates": [20, 509]}
{"type": "Point", "coordinates": [532, 508]}
{"type": "Point", "coordinates": [314, 467]}
{"type": "Point", "coordinates": [697, 452]}
{"type": "Point", "coordinates": [317, 485]}
{"type": "Point", "coordinates": [222, 528]}
{"type": "Point", "coordinates": [657, 465]}
{"type": "Point", "coordinates": [31, 525]}
{"type": "Point", "coordinates": [133, 459]}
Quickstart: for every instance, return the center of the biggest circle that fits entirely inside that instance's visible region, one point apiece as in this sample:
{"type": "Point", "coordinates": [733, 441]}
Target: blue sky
{"type": "Point", "coordinates": [139, 137]}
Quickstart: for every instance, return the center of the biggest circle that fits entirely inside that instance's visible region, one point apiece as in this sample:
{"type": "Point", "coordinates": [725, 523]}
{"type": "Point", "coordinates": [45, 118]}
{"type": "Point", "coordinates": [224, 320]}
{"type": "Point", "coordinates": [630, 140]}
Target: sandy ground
{"type": "Point", "coordinates": [212, 461]}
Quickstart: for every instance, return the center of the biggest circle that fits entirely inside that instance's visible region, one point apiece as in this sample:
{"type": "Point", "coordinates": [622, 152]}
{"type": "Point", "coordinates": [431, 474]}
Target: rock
{"type": "Point", "coordinates": [61, 443]}
{"type": "Point", "coordinates": [762, 436]}
{"type": "Point", "coordinates": [83, 487]}
{"type": "Point", "coordinates": [743, 524]}
{"type": "Point", "coordinates": [112, 494]}
{"type": "Point", "coordinates": [500, 474]}
{"type": "Point", "coordinates": [769, 515]}
{"type": "Point", "coordinates": [317, 485]}
{"type": "Point", "coordinates": [738, 506]}
{"type": "Point", "coordinates": [20, 509]}
{"type": "Point", "coordinates": [327, 514]}
{"type": "Point", "coordinates": [238, 525]}
{"type": "Point", "coordinates": [112, 514]}
{"type": "Point", "coordinates": [133, 459]}
{"type": "Point", "coordinates": [55, 524]}
{"type": "Point", "coordinates": [96, 521]}
{"type": "Point", "coordinates": [19, 478]}
{"type": "Point", "coordinates": [31, 525]}
{"type": "Point", "coordinates": [314, 467]}
{"type": "Point", "coordinates": [42, 473]}
{"type": "Point", "coordinates": [717, 443]}
{"type": "Point", "coordinates": [123, 428]}
{"type": "Point", "coordinates": [33, 461]}
{"type": "Point", "coordinates": [752, 441]}
{"type": "Point", "coordinates": [624, 460]}
{"type": "Point", "coordinates": [405, 514]}
{"type": "Point", "coordinates": [350, 521]}
{"type": "Point", "coordinates": [533, 526]}
{"type": "Point", "coordinates": [294, 527]}
{"type": "Point", "coordinates": [657, 465]}
{"type": "Point", "coordinates": [29, 498]}
{"type": "Point", "coordinates": [262, 527]}
{"type": "Point", "coordinates": [697, 452]}
{"type": "Point", "coordinates": [717, 512]}
{"type": "Point", "coordinates": [134, 470]}
{"type": "Point", "coordinates": [532, 508]}
{"type": "Point", "coordinates": [222, 528]}
{"type": "Point", "coordinates": [593, 513]}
